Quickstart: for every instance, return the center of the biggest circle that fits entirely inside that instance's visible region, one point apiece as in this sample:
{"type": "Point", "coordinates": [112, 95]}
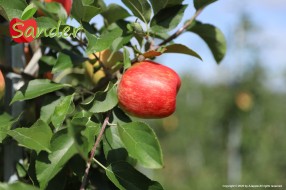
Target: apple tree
{"type": "Point", "coordinates": [86, 86]}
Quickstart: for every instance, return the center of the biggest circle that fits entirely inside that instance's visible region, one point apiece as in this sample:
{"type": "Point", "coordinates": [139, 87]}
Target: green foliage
{"type": "Point", "coordinates": [124, 176]}
{"type": "Point", "coordinates": [37, 137]}
{"type": "Point", "coordinates": [213, 37]}
{"type": "Point", "coordinates": [12, 9]}
{"type": "Point", "coordinates": [199, 4]}
{"type": "Point", "coordinates": [167, 18]}
{"type": "Point", "coordinates": [6, 124]}
{"type": "Point", "coordinates": [142, 144]}
{"type": "Point", "coordinates": [48, 165]}
{"type": "Point", "coordinates": [16, 186]}
{"type": "Point", "coordinates": [36, 88]}
{"type": "Point", "coordinates": [179, 48]}
{"type": "Point", "coordinates": [83, 12]}
{"type": "Point", "coordinates": [29, 11]}
{"type": "Point", "coordinates": [66, 114]}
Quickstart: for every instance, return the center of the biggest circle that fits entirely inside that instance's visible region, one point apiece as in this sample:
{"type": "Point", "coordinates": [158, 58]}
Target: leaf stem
{"type": "Point", "coordinates": [100, 164]}
{"type": "Point", "coordinates": [92, 153]}
{"type": "Point", "coordinates": [182, 29]}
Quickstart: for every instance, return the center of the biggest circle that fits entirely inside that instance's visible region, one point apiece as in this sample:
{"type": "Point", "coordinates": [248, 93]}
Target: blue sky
{"type": "Point", "coordinates": [268, 15]}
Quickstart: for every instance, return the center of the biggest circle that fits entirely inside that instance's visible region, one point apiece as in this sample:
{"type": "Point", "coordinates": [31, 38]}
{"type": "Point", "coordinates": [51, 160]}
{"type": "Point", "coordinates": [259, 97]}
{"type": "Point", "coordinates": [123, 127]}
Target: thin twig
{"type": "Point", "coordinates": [181, 30]}
{"type": "Point", "coordinates": [173, 36]}
{"type": "Point", "coordinates": [92, 153]}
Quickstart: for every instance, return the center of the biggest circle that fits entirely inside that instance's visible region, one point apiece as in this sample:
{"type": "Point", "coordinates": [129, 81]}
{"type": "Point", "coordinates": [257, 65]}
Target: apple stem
{"type": "Point", "coordinates": [92, 153]}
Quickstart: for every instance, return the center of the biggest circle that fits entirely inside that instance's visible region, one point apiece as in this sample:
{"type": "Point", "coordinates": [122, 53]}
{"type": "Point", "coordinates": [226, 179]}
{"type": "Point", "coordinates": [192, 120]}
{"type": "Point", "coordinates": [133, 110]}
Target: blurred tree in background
{"type": "Point", "coordinates": [231, 133]}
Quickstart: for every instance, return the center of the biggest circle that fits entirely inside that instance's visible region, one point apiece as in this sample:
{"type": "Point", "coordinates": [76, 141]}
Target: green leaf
{"type": "Point", "coordinates": [83, 130]}
{"type": "Point", "coordinates": [36, 88]}
{"type": "Point", "coordinates": [142, 144]}
{"type": "Point", "coordinates": [104, 101]}
{"type": "Point", "coordinates": [61, 110]}
{"type": "Point", "coordinates": [124, 176]}
{"type": "Point", "coordinates": [120, 41]}
{"type": "Point", "coordinates": [53, 9]}
{"type": "Point", "coordinates": [113, 147]}
{"type": "Point", "coordinates": [179, 48]}
{"type": "Point", "coordinates": [84, 12]}
{"type": "Point", "coordinates": [10, 9]}
{"type": "Point", "coordinates": [46, 23]}
{"type": "Point", "coordinates": [37, 137]}
{"type": "Point", "coordinates": [63, 62]}
{"type": "Point", "coordinates": [140, 8]}
{"type": "Point", "coordinates": [47, 110]}
{"type": "Point", "coordinates": [114, 12]}
{"type": "Point", "coordinates": [48, 165]}
{"type": "Point", "coordinates": [213, 37]}
{"type": "Point", "coordinates": [157, 5]}
{"type": "Point", "coordinates": [5, 124]}
{"type": "Point", "coordinates": [202, 3]}
{"type": "Point", "coordinates": [49, 60]}
{"type": "Point", "coordinates": [126, 58]}
{"type": "Point", "coordinates": [167, 18]}
{"type": "Point", "coordinates": [97, 44]}
{"type": "Point", "coordinates": [16, 186]}
{"type": "Point", "coordinates": [28, 12]}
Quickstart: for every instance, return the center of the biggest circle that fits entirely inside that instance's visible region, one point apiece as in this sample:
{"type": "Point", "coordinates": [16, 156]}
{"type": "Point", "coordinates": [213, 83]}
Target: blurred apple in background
{"type": "Point", "coordinates": [109, 60]}
{"type": "Point", "coordinates": [2, 85]}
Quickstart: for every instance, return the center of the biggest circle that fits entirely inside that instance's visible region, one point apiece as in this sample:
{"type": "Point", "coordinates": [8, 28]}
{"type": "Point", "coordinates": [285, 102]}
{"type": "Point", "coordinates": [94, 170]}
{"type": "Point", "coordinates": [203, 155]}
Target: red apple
{"type": "Point", "coordinates": [2, 85]}
{"type": "Point", "coordinates": [149, 90]}
{"type": "Point", "coordinates": [67, 4]}
{"type": "Point", "coordinates": [23, 31]}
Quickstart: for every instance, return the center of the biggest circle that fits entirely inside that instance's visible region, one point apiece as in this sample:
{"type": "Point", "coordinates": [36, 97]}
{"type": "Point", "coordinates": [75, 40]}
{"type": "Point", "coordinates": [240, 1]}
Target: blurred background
{"type": "Point", "coordinates": [230, 123]}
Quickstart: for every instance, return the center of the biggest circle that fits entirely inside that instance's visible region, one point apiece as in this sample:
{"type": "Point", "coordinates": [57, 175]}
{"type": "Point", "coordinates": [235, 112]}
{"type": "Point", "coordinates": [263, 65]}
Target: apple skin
{"type": "Point", "coordinates": [2, 85]}
{"type": "Point", "coordinates": [26, 23]}
{"type": "Point", "coordinates": [148, 90]}
{"type": "Point", "coordinates": [67, 4]}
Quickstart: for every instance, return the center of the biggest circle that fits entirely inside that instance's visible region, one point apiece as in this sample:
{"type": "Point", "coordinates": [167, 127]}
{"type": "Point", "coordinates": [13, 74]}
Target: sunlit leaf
{"type": "Point", "coordinates": [5, 124]}
{"type": "Point", "coordinates": [213, 37]}
{"type": "Point", "coordinates": [63, 62]}
{"type": "Point", "coordinates": [140, 8]}
{"type": "Point", "coordinates": [61, 110]}
{"type": "Point", "coordinates": [114, 12]}
{"type": "Point", "coordinates": [37, 137]}
{"type": "Point", "coordinates": [179, 48]}
{"type": "Point", "coordinates": [12, 8]}
{"type": "Point", "coordinates": [84, 12]}
{"type": "Point", "coordinates": [28, 12]}
{"type": "Point", "coordinates": [48, 165]}
{"type": "Point", "coordinates": [36, 88]}
{"type": "Point", "coordinates": [142, 144]}
{"type": "Point", "coordinates": [104, 101]}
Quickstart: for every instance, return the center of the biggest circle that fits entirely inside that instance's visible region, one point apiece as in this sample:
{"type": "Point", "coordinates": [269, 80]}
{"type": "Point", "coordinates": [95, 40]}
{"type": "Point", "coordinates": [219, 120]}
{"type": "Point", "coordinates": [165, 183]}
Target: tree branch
{"type": "Point", "coordinates": [92, 153]}
{"type": "Point", "coordinates": [8, 69]}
